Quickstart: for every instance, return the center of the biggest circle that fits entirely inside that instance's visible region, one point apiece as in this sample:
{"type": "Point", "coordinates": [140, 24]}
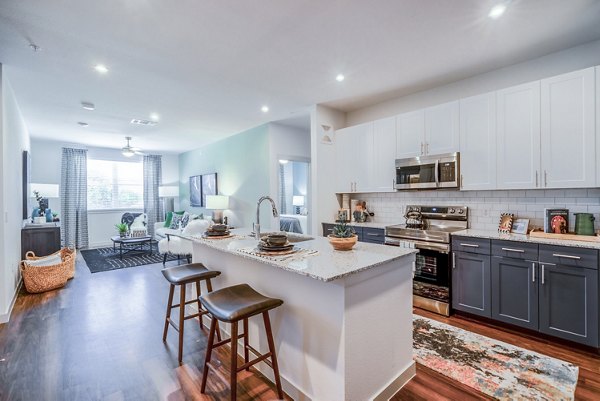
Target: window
{"type": "Point", "coordinates": [115, 185]}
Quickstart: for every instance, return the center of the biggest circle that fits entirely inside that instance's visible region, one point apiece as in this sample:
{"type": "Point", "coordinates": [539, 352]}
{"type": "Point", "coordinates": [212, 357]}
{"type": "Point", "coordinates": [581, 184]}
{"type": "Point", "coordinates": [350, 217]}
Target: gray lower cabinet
{"type": "Point", "coordinates": [515, 291]}
{"type": "Point", "coordinates": [365, 234]}
{"type": "Point", "coordinates": [471, 284]}
{"type": "Point", "coordinates": [569, 303]}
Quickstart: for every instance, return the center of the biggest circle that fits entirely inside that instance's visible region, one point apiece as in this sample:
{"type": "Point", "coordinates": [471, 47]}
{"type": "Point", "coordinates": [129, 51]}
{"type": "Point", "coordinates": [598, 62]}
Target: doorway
{"type": "Point", "coordinates": [293, 195]}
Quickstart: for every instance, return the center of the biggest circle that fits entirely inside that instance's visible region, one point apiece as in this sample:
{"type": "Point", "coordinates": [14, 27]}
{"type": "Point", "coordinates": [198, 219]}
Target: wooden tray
{"type": "Point", "coordinates": [568, 237]}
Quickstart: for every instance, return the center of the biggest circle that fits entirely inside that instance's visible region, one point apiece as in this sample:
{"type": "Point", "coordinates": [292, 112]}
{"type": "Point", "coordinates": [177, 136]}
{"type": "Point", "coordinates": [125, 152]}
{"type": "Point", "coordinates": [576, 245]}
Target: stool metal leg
{"type": "Point", "coordinates": [168, 315]}
{"type": "Point", "coordinates": [209, 348]}
{"type": "Point", "coordinates": [246, 351]}
{"type": "Point", "coordinates": [233, 372]}
{"type": "Point", "coordinates": [181, 319]}
{"type": "Point", "coordinates": [272, 351]}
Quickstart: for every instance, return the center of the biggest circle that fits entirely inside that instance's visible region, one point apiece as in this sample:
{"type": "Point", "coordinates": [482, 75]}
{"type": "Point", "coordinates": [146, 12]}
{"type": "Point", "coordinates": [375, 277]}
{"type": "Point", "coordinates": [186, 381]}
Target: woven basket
{"type": "Point", "coordinates": [45, 278]}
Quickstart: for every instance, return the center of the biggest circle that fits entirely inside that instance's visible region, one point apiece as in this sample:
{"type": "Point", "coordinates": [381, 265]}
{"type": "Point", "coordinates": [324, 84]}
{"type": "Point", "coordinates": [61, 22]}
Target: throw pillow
{"type": "Point", "coordinates": [185, 219]}
{"type": "Point", "coordinates": [195, 227]}
{"type": "Point", "coordinates": [139, 222]}
{"type": "Point", "coordinates": [175, 220]}
{"type": "Point", "coordinates": [169, 218]}
{"type": "Point", "coordinates": [47, 261]}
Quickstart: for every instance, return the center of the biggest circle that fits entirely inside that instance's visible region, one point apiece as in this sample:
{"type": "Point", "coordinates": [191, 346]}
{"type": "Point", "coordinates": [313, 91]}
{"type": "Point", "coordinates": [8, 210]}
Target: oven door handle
{"type": "Point", "coordinates": [441, 248]}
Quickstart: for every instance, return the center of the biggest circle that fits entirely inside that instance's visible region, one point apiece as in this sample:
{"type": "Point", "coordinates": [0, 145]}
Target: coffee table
{"type": "Point", "coordinates": [132, 244]}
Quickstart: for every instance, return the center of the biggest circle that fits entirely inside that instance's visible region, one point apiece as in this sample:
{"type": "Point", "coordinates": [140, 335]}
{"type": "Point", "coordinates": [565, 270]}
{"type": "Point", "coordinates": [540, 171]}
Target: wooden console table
{"type": "Point", "coordinates": [41, 240]}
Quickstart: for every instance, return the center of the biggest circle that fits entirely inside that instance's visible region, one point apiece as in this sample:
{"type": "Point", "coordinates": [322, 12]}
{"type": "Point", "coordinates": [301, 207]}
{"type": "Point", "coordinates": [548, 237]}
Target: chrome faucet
{"type": "Point", "coordinates": [256, 226]}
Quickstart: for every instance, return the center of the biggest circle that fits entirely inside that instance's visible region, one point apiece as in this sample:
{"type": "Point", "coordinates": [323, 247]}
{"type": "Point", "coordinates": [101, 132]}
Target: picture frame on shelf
{"type": "Point", "coordinates": [520, 226]}
{"type": "Point", "coordinates": [209, 186]}
{"type": "Point", "coordinates": [343, 215]}
{"type": "Point", "coordinates": [505, 223]}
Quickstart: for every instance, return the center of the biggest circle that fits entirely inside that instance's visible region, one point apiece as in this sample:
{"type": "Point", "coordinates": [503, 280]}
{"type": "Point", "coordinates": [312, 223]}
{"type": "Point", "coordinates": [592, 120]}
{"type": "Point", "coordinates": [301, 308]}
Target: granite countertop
{"type": "Point", "coordinates": [367, 224]}
{"type": "Point", "coordinates": [526, 238]}
{"type": "Point", "coordinates": [325, 265]}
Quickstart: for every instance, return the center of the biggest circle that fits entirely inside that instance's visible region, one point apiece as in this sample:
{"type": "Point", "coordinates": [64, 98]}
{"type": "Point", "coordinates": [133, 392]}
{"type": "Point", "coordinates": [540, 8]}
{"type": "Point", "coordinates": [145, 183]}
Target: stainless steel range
{"type": "Point", "coordinates": [428, 229]}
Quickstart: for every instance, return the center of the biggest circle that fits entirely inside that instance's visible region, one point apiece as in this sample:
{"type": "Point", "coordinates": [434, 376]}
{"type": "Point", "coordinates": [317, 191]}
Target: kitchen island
{"type": "Point", "coordinates": [344, 331]}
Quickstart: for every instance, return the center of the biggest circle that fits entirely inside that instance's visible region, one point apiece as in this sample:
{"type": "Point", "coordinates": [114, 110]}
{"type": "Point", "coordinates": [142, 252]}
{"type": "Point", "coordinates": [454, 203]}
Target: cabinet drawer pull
{"type": "Point", "coordinates": [560, 255]}
{"type": "Point", "coordinates": [513, 250]}
{"type": "Point", "coordinates": [373, 235]}
{"type": "Point", "coordinates": [470, 245]}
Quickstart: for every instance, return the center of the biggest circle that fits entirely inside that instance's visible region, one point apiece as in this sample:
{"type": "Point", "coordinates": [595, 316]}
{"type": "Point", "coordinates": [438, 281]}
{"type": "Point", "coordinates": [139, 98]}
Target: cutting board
{"type": "Point", "coordinates": [568, 237]}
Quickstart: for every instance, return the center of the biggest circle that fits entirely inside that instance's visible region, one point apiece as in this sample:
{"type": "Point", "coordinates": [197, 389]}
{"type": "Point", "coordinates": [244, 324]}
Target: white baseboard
{"type": "Point", "coordinates": [4, 318]}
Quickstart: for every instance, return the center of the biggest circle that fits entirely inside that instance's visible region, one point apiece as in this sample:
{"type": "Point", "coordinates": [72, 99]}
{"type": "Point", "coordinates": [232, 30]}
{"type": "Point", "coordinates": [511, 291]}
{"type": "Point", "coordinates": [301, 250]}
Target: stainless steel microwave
{"type": "Point", "coordinates": [428, 172]}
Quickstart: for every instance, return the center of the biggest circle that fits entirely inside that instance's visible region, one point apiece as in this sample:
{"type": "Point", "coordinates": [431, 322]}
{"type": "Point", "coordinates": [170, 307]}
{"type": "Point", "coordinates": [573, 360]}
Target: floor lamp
{"type": "Point", "coordinates": [168, 193]}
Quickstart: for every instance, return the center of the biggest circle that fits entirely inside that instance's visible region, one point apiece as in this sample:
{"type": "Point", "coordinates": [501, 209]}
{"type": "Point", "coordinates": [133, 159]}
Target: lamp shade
{"type": "Point", "coordinates": [45, 190]}
{"type": "Point", "coordinates": [217, 202]}
{"type": "Point", "coordinates": [168, 191]}
{"type": "Point", "coordinates": [298, 200]}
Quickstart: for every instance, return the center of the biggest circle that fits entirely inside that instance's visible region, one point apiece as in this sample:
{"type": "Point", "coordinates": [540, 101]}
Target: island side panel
{"type": "Point", "coordinates": [307, 328]}
{"type": "Point", "coordinates": [378, 330]}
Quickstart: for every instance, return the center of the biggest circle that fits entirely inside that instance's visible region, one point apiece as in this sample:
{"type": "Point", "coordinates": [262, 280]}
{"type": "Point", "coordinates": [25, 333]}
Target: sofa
{"type": "Point", "coordinates": [171, 244]}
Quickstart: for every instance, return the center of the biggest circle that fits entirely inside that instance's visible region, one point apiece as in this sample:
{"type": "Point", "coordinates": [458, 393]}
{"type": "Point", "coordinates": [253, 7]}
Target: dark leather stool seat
{"type": "Point", "coordinates": [230, 305]}
{"type": "Point", "coordinates": [180, 276]}
{"type": "Point", "coordinates": [237, 302]}
{"type": "Point", "coordinates": [188, 273]}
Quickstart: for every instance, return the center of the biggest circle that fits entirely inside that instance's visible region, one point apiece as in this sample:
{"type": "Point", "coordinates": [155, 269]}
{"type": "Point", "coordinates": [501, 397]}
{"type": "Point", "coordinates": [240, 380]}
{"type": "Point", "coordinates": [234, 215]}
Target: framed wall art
{"type": "Point", "coordinates": [196, 191]}
{"type": "Point", "coordinates": [209, 186]}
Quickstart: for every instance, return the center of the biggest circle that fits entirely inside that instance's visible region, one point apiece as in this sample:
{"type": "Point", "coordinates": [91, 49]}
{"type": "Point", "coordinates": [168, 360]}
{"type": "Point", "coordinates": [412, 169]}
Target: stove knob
{"type": "Point", "coordinates": [460, 211]}
{"type": "Point", "coordinates": [451, 210]}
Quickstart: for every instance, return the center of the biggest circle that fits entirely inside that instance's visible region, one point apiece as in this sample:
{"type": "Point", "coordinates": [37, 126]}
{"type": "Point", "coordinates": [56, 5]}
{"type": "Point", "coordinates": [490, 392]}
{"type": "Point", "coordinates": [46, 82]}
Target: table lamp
{"type": "Point", "coordinates": [298, 200]}
{"type": "Point", "coordinates": [217, 203]}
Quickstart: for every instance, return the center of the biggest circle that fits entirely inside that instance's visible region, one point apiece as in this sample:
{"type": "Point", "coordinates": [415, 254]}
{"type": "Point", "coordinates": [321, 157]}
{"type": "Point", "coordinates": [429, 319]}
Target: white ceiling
{"type": "Point", "coordinates": [207, 67]}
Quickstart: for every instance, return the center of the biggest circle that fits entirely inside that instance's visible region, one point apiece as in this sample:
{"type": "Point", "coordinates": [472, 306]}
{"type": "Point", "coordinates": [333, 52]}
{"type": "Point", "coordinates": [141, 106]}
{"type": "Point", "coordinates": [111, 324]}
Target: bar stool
{"type": "Point", "coordinates": [230, 305]}
{"type": "Point", "coordinates": [181, 276]}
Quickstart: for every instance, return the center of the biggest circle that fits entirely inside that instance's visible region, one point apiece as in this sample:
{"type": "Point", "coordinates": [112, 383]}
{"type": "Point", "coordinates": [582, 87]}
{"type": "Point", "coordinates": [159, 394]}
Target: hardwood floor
{"type": "Point", "coordinates": [100, 338]}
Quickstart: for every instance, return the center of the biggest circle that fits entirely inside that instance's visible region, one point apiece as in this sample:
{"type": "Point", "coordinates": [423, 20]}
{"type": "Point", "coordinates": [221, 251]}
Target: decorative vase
{"type": "Point", "coordinates": [342, 244]}
{"type": "Point", "coordinates": [123, 234]}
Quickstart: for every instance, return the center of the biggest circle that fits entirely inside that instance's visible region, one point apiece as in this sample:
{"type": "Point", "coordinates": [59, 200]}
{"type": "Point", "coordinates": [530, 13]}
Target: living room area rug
{"type": "Point", "coordinates": [495, 368]}
{"type": "Point", "coordinates": [105, 259]}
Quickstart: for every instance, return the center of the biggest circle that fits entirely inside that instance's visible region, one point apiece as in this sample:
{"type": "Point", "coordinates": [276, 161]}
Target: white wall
{"type": "Point", "coordinates": [46, 158]}
{"type": "Point", "coordinates": [323, 199]}
{"type": "Point", "coordinates": [288, 143]}
{"type": "Point", "coordinates": [571, 59]}
{"type": "Point", "coordinates": [15, 139]}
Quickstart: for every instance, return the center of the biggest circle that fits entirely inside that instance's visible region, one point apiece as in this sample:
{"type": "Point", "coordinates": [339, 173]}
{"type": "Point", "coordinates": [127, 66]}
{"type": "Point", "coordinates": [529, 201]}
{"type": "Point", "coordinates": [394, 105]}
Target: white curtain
{"type": "Point", "coordinates": [152, 179]}
{"type": "Point", "coordinates": [73, 198]}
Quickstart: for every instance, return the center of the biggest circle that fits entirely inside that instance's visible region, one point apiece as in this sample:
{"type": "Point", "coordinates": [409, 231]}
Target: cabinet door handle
{"type": "Point", "coordinates": [421, 148]}
{"type": "Point", "coordinates": [470, 245]}
{"type": "Point", "coordinates": [542, 274]}
{"type": "Point", "coordinates": [461, 181]}
{"type": "Point", "coordinates": [513, 250]}
{"type": "Point", "coordinates": [560, 255]}
{"type": "Point", "coordinates": [545, 178]}
{"type": "Point", "coordinates": [426, 148]}
{"type": "Point", "coordinates": [533, 272]}
{"type": "Point", "coordinates": [536, 178]}
{"type": "Point", "coordinates": [453, 260]}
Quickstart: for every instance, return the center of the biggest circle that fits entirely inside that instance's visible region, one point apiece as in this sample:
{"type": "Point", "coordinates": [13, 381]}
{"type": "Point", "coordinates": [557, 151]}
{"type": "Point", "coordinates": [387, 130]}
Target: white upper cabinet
{"type": "Point", "coordinates": [518, 122]}
{"type": "Point", "coordinates": [478, 142]}
{"type": "Point", "coordinates": [410, 134]}
{"type": "Point", "coordinates": [383, 158]}
{"type": "Point", "coordinates": [568, 132]}
{"type": "Point", "coordinates": [353, 147]}
{"type": "Point", "coordinates": [441, 129]}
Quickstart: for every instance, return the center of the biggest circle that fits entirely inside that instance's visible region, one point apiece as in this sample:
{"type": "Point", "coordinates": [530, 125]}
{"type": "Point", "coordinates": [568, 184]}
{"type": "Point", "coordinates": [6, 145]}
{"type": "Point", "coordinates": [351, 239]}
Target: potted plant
{"type": "Point", "coordinates": [343, 237]}
{"type": "Point", "coordinates": [122, 229]}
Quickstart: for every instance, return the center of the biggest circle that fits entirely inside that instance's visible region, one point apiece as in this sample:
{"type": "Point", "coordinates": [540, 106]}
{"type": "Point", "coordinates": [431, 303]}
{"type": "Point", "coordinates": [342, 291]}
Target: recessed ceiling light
{"type": "Point", "coordinates": [101, 68]}
{"type": "Point", "coordinates": [264, 109]}
{"type": "Point", "coordinates": [340, 77]}
{"type": "Point", "coordinates": [497, 11]}
{"type": "Point", "coordinates": [88, 106]}
{"type": "Point", "coordinates": [283, 161]}
{"type": "Point", "coordinates": [154, 117]}
{"type": "Point", "coordinates": [81, 123]}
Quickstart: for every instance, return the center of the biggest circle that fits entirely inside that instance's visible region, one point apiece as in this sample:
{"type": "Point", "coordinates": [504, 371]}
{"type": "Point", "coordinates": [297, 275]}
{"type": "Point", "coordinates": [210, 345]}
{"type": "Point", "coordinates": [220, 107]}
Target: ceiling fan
{"type": "Point", "coordinates": [129, 150]}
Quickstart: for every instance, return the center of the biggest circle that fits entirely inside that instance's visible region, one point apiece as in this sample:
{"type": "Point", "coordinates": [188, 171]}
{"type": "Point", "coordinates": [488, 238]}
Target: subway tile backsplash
{"type": "Point", "coordinates": [485, 206]}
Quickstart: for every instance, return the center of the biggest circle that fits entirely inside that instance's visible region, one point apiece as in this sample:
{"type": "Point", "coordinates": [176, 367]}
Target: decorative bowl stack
{"type": "Point", "coordinates": [217, 230]}
{"type": "Point", "coordinates": [276, 244]}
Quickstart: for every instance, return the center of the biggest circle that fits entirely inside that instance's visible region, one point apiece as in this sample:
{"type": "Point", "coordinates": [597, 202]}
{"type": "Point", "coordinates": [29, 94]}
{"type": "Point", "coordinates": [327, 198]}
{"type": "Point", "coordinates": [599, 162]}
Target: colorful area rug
{"type": "Point", "coordinates": [105, 259]}
{"type": "Point", "coordinates": [492, 367]}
